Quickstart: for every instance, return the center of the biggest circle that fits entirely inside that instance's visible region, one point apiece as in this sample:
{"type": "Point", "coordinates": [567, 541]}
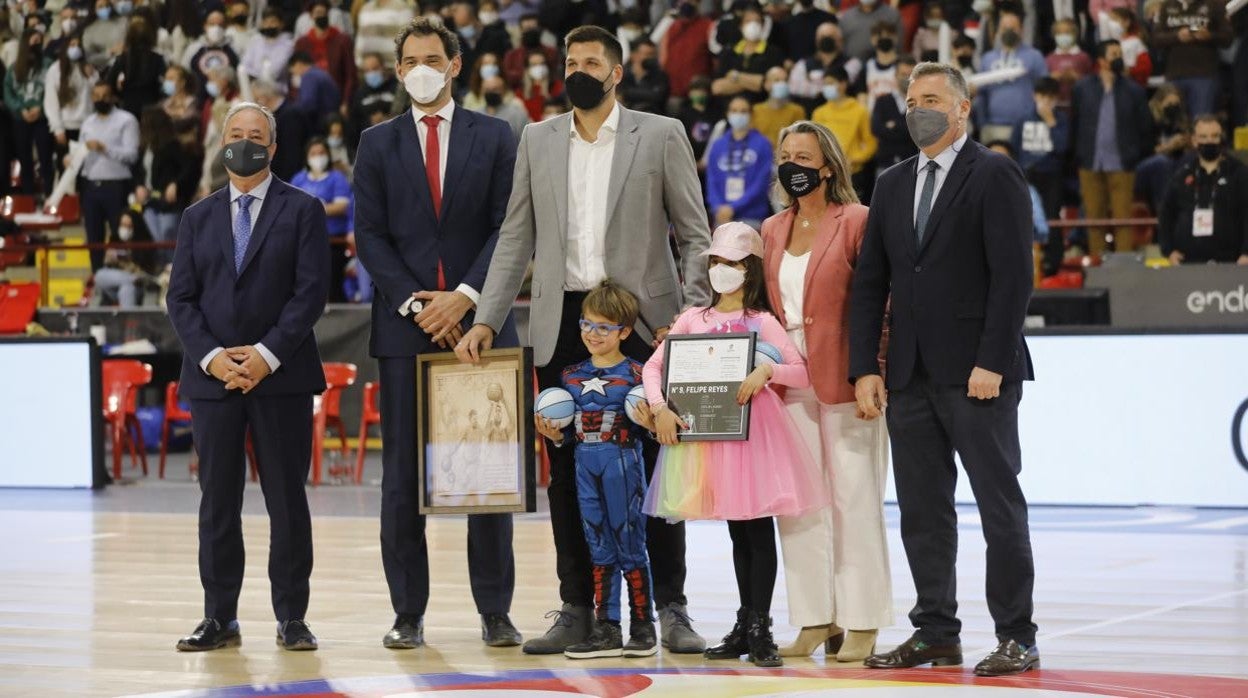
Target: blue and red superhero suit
{"type": "Point", "coordinates": [611, 485]}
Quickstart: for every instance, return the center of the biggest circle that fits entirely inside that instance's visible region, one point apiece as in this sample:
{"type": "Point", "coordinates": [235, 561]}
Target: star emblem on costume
{"type": "Point", "coordinates": [595, 385]}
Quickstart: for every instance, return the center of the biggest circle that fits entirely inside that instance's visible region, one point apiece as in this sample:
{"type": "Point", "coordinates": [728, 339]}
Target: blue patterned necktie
{"type": "Point", "coordinates": [242, 230]}
{"type": "Point", "coordinates": [925, 200]}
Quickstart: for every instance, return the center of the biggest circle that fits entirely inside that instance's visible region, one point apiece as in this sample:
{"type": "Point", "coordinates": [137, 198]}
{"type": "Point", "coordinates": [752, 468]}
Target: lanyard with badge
{"type": "Point", "coordinates": [1202, 216]}
{"type": "Point", "coordinates": [734, 187]}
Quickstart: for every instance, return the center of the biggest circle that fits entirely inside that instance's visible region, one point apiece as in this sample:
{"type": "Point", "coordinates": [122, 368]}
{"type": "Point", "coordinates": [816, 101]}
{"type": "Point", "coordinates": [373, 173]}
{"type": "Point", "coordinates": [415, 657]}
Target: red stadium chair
{"type": "Point", "coordinates": [121, 380]}
{"type": "Point", "coordinates": [327, 412]}
{"type": "Point", "coordinates": [369, 414]}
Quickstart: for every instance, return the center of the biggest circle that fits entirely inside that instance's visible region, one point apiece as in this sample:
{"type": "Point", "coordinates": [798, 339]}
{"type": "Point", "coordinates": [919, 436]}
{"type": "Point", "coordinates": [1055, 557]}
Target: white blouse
{"type": "Point", "coordinates": [792, 289]}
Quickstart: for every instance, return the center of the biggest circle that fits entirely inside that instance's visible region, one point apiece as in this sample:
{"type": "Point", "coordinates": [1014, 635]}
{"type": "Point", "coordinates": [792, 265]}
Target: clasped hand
{"type": "Point", "coordinates": [442, 314]}
{"type": "Point", "coordinates": [240, 368]}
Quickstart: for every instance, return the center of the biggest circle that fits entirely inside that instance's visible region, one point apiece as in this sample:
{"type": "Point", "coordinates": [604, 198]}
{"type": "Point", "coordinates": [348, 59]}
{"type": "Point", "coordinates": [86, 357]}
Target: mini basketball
{"type": "Point", "coordinates": [635, 397]}
{"type": "Point", "coordinates": [765, 353]}
{"type": "Point", "coordinates": [556, 405]}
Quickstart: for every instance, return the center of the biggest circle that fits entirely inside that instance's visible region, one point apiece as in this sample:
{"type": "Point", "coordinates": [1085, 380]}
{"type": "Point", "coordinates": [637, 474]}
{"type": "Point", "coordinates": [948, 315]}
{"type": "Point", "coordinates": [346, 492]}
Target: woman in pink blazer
{"type": "Point", "coordinates": [835, 559]}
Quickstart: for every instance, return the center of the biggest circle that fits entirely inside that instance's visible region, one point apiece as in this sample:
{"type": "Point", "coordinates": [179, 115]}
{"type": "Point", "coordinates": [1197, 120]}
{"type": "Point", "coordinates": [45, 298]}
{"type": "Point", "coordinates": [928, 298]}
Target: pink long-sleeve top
{"type": "Point", "coordinates": [791, 373]}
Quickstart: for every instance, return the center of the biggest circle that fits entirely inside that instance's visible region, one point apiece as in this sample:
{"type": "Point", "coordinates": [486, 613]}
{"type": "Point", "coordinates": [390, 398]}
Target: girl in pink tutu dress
{"type": "Point", "coordinates": [746, 482]}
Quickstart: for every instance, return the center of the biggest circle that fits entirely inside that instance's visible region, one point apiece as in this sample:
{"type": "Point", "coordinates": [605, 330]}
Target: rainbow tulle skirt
{"type": "Point", "coordinates": [772, 474]}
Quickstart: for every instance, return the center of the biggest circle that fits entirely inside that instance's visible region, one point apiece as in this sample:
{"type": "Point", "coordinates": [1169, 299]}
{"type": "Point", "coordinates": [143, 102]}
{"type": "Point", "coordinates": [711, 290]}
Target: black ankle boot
{"type": "Point", "coordinates": [761, 645]}
{"type": "Point", "coordinates": [735, 643]}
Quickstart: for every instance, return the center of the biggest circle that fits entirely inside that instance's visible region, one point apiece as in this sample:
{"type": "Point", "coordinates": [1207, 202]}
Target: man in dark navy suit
{"type": "Point", "coordinates": [250, 278]}
{"type": "Point", "coordinates": [431, 189]}
{"type": "Point", "coordinates": [954, 252]}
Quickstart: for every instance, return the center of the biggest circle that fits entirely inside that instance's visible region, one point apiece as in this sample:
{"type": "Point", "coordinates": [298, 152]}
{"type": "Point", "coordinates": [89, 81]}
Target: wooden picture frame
{"type": "Point", "coordinates": [475, 433]}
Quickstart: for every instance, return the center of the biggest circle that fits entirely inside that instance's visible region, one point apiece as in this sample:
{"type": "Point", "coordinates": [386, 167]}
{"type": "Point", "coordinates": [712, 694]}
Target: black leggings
{"type": "Point", "coordinates": [754, 558]}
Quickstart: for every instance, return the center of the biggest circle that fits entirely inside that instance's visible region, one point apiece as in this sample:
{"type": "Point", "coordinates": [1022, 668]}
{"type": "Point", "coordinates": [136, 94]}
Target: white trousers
{"type": "Point", "coordinates": [836, 559]}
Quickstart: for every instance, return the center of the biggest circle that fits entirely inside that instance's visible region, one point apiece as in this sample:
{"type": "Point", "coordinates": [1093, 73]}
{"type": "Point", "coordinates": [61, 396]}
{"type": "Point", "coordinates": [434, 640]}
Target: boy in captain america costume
{"type": "Point", "coordinates": [610, 475]}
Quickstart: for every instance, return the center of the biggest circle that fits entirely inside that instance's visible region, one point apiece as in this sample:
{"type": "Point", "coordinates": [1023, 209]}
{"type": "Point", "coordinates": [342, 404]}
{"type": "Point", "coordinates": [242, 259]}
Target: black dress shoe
{"type": "Point", "coordinates": [211, 634]}
{"type": "Point", "coordinates": [497, 630]}
{"type": "Point", "coordinates": [1009, 658]}
{"type": "Point", "coordinates": [408, 633]}
{"type": "Point", "coordinates": [914, 652]}
{"type": "Point", "coordinates": [296, 636]}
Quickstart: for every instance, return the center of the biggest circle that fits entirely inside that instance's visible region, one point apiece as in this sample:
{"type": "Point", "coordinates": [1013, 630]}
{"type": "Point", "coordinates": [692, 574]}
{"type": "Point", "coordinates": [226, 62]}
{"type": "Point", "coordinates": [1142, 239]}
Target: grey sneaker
{"type": "Point", "coordinates": [572, 624]}
{"type": "Point", "coordinates": [679, 636]}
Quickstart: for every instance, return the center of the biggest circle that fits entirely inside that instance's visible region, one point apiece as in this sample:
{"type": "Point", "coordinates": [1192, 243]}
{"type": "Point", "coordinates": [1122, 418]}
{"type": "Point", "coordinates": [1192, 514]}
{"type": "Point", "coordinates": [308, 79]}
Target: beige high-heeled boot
{"type": "Point", "coordinates": [858, 645]}
{"type": "Point", "coordinates": [809, 639]}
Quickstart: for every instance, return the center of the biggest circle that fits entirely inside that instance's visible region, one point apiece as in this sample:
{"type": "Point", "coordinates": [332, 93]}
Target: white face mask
{"type": "Point", "coordinates": [726, 279]}
{"type": "Point", "coordinates": [318, 163]}
{"type": "Point", "coordinates": [752, 31]}
{"type": "Point", "coordinates": [488, 18]}
{"type": "Point", "coordinates": [124, 234]}
{"type": "Point", "coordinates": [538, 72]}
{"type": "Point", "coordinates": [214, 33]}
{"type": "Point", "coordinates": [424, 84]}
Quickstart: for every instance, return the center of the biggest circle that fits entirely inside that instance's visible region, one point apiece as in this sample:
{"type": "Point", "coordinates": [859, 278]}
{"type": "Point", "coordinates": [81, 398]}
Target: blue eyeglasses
{"type": "Point", "coordinates": [601, 329]}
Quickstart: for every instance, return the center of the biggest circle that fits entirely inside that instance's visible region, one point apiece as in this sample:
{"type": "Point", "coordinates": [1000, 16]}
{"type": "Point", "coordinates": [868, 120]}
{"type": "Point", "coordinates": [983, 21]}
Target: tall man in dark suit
{"type": "Point", "coordinates": [250, 278]}
{"type": "Point", "coordinates": [599, 194]}
{"type": "Point", "coordinates": [431, 189]}
{"type": "Point", "coordinates": [956, 257]}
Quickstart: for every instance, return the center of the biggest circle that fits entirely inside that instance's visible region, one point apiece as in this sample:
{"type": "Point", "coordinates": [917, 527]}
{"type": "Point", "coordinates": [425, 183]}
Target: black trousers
{"type": "Point", "coordinates": [1049, 186]}
{"type": "Point", "coordinates": [102, 204]}
{"type": "Point", "coordinates": [755, 562]}
{"type": "Point", "coordinates": [33, 139]}
{"type": "Point", "coordinates": [927, 423]}
{"type": "Point", "coordinates": [404, 551]}
{"type": "Point", "coordinates": [665, 542]}
{"type": "Point", "coordinates": [281, 431]}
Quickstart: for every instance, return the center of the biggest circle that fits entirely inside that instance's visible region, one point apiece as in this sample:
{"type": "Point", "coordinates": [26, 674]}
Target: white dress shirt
{"type": "Point", "coordinates": [589, 168]}
{"type": "Point", "coordinates": [119, 132]}
{"type": "Point", "coordinates": [257, 194]}
{"type": "Point", "coordinates": [444, 146]}
{"type": "Point", "coordinates": [945, 159]}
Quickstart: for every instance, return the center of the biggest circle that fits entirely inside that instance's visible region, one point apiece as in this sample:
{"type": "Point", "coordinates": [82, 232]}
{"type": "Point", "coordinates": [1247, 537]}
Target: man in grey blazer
{"type": "Point", "coordinates": [594, 196]}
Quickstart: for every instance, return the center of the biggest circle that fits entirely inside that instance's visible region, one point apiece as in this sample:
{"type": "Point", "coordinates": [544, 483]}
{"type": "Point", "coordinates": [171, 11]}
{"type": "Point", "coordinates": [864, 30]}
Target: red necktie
{"type": "Point", "coordinates": [433, 173]}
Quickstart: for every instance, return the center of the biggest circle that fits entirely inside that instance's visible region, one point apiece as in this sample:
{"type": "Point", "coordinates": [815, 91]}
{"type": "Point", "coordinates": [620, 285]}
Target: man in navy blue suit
{"type": "Point", "coordinates": [951, 250]}
{"type": "Point", "coordinates": [432, 186]}
{"type": "Point", "coordinates": [250, 278]}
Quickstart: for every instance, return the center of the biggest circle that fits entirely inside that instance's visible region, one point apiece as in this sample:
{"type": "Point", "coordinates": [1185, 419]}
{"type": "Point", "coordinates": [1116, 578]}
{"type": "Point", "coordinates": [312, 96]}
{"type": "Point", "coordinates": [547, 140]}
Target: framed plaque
{"type": "Point", "coordinates": [475, 433]}
{"type": "Point", "coordinates": [702, 373]}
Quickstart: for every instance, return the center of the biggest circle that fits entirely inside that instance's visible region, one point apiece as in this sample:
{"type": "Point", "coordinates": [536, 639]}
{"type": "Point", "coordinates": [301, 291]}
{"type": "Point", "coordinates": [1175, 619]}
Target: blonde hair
{"type": "Point", "coordinates": [613, 302]}
{"type": "Point", "coordinates": [839, 190]}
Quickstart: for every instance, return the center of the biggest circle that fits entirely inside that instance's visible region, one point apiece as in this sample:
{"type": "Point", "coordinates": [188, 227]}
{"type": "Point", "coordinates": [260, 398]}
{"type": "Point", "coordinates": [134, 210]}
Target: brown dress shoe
{"type": "Point", "coordinates": [915, 652]}
{"type": "Point", "coordinates": [1009, 658]}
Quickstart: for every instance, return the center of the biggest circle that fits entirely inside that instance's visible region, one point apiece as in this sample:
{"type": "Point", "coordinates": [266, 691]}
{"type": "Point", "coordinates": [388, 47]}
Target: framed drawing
{"type": "Point", "coordinates": [702, 373]}
{"type": "Point", "coordinates": [475, 433]}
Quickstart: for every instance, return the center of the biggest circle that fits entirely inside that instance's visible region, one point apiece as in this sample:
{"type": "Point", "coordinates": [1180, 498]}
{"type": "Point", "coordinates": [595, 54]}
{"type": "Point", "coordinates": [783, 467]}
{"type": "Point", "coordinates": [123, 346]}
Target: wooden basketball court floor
{"type": "Point", "coordinates": [95, 588]}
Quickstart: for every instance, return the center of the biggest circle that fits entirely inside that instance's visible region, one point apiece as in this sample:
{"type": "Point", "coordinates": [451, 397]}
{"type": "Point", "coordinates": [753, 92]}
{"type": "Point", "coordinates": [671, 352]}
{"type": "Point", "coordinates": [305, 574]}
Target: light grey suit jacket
{"type": "Point", "coordinates": [654, 184]}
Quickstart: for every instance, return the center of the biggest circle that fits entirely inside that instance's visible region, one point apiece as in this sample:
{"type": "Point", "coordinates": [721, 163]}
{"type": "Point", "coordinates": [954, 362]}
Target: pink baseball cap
{"type": "Point", "coordinates": [735, 241]}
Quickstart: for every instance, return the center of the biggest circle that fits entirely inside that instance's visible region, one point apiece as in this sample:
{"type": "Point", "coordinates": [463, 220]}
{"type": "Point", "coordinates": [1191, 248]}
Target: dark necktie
{"type": "Point", "coordinates": [925, 200]}
{"type": "Point", "coordinates": [242, 230]}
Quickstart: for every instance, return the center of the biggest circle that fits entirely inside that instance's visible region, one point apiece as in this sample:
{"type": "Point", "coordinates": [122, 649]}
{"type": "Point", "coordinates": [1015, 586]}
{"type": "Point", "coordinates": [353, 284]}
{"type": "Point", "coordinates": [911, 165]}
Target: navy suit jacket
{"type": "Point", "coordinates": [960, 298]}
{"type": "Point", "coordinates": [400, 238]}
{"type": "Point", "coordinates": [275, 300]}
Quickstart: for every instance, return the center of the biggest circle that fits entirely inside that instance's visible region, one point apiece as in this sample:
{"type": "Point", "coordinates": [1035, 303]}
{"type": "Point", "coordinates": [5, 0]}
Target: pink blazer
{"type": "Point", "coordinates": [833, 255]}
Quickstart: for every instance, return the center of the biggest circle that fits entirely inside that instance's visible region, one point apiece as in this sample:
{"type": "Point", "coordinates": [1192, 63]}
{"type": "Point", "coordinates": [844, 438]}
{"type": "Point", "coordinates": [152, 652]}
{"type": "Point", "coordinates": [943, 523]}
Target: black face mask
{"type": "Point", "coordinates": [240, 20]}
{"type": "Point", "coordinates": [270, 32]}
{"type": "Point", "coordinates": [493, 99]}
{"type": "Point", "coordinates": [103, 106]}
{"type": "Point", "coordinates": [531, 38]}
{"type": "Point", "coordinates": [1010, 38]}
{"type": "Point", "coordinates": [687, 10]}
{"type": "Point", "coordinates": [966, 61]}
{"type": "Point", "coordinates": [584, 90]}
{"type": "Point", "coordinates": [1209, 151]}
{"type": "Point", "coordinates": [827, 45]}
{"type": "Point", "coordinates": [1172, 113]}
{"type": "Point", "coordinates": [885, 44]}
{"type": "Point", "coordinates": [244, 158]}
{"type": "Point", "coordinates": [322, 22]}
{"type": "Point", "coordinates": [1117, 67]}
{"type": "Point", "coordinates": [797, 180]}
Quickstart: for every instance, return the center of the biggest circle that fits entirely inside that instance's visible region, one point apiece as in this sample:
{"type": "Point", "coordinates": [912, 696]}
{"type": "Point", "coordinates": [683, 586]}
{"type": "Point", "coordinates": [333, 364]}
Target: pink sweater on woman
{"type": "Point", "coordinates": [791, 373]}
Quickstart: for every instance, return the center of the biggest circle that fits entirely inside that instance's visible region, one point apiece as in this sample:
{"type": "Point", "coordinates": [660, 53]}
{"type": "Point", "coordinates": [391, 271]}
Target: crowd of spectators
{"type": "Point", "coordinates": [1096, 99]}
